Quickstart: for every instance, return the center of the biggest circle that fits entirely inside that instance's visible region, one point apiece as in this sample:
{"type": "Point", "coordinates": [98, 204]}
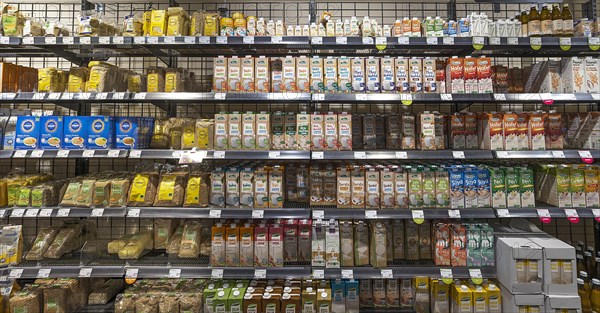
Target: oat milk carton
{"type": "Point", "coordinates": [221, 131]}
{"type": "Point", "coordinates": [248, 75]}
{"type": "Point", "coordinates": [440, 76]}
{"type": "Point", "coordinates": [402, 72]}
{"type": "Point", "coordinates": [303, 128]}
{"type": "Point", "coordinates": [290, 131]}
{"type": "Point", "coordinates": [331, 131]}
{"type": "Point", "coordinates": [303, 74]}
{"type": "Point", "coordinates": [359, 83]}
{"type": "Point", "coordinates": [401, 186]}
{"type": "Point", "coordinates": [484, 75]}
{"type": "Point", "coordinates": [428, 185]}
{"type": "Point", "coordinates": [262, 81]}
{"type": "Point", "coordinates": [277, 75]}
{"type": "Point", "coordinates": [317, 132]}
{"type": "Point", "coordinates": [345, 131]}
{"type": "Point", "coordinates": [455, 82]}
{"type": "Point", "coordinates": [415, 79]}
{"type": "Point", "coordinates": [387, 74]}
{"type": "Point", "coordinates": [522, 131]}
{"type": "Point", "coordinates": [387, 199]}
{"type": "Point", "coordinates": [457, 131]}
{"type": "Point", "coordinates": [442, 188]}
{"type": "Point", "coordinates": [373, 74]}
{"type": "Point", "coordinates": [536, 131]}
{"type": "Point", "coordinates": [408, 131]}
{"type": "Point", "coordinates": [592, 77]}
{"type": "Point", "coordinates": [498, 187]}
{"type": "Point", "coordinates": [219, 74]}
{"type": "Point", "coordinates": [573, 75]}
{"type": "Point", "coordinates": [331, 74]}
{"type": "Point", "coordinates": [427, 131]}
{"type": "Point", "coordinates": [234, 77]}
{"type": "Point", "coordinates": [344, 74]}
{"type": "Point", "coordinates": [358, 187]}
{"type": "Point", "coordinates": [289, 74]}
{"type": "Point", "coordinates": [429, 82]}
{"type": "Point", "coordinates": [471, 131]}
{"type": "Point", "coordinates": [510, 132]}
{"type": "Point", "coordinates": [470, 75]}
{"type": "Point", "coordinates": [249, 131]}
{"type": "Point", "coordinates": [317, 83]}
{"type": "Point", "coordinates": [372, 182]}
{"type": "Point", "coordinates": [263, 131]}
{"type": "Point", "coordinates": [277, 130]}
{"type": "Point", "coordinates": [493, 132]}
{"type": "Point", "coordinates": [592, 181]}
{"type": "Point", "coordinates": [415, 188]}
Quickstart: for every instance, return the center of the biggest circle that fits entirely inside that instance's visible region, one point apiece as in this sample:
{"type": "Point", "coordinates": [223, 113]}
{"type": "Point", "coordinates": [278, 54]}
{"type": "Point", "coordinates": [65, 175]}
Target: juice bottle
{"type": "Point", "coordinates": [581, 266]}
{"type": "Point", "coordinates": [589, 261]}
{"type": "Point", "coordinates": [567, 18]}
{"type": "Point", "coordinates": [524, 19]}
{"type": "Point", "coordinates": [597, 268]}
{"type": "Point", "coordinates": [546, 19]}
{"type": "Point", "coordinates": [595, 295]}
{"type": "Point", "coordinates": [534, 22]}
{"type": "Point", "coordinates": [586, 284]}
{"type": "Point", "coordinates": [586, 305]}
{"type": "Point", "coordinates": [557, 22]}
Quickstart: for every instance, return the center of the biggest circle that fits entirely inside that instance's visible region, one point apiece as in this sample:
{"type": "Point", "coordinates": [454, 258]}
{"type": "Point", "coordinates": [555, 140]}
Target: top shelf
{"type": "Point", "coordinates": [77, 48]}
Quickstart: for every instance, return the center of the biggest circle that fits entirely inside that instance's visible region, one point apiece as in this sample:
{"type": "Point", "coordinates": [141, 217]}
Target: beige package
{"type": "Point", "coordinates": [276, 189]}
{"type": "Point", "coordinates": [248, 131]}
{"type": "Point", "coordinates": [408, 132]}
{"type": "Point", "coordinates": [261, 188]}
{"type": "Point", "coordinates": [427, 131]}
{"type": "Point", "coordinates": [303, 129]}
{"type": "Point", "coordinates": [303, 74]}
{"type": "Point", "coordinates": [373, 74]}
{"type": "Point", "coordinates": [263, 131]}
{"type": "Point", "coordinates": [358, 75]}
{"type": "Point", "coordinates": [345, 131]}
{"type": "Point", "coordinates": [358, 187]}
{"type": "Point", "coordinates": [402, 73]}
{"type": "Point", "coordinates": [388, 77]}
{"type": "Point", "coordinates": [346, 243]}
{"type": "Point", "coordinates": [276, 66]}
{"type": "Point", "coordinates": [329, 185]}
{"type": "Point", "coordinates": [378, 252]}
{"type": "Point", "coordinates": [331, 131]}
{"type": "Point", "coordinates": [316, 75]}
{"type": "Point", "coordinates": [234, 126]}
{"type": "Point", "coordinates": [262, 76]}
{"type": "Point", "coordinates": [290, 131]}
{"type": "Point", "coordinates": [361, 244]}
{"type": "Point", "coordinates": [221, 131]}
{"type": "Point", "coordinates": [344, 187]}
{"type": "Point", "coordinates": [277, 131]}
{"type": "Point", "coordinates": [429, 83]}
{"type": "Point", "coordinates": [344, 74]}
{"type": "Point", "coordinates": [372, 188]}
{"type": "Point", "coordinates": [392, 123]}
{"type": "Point", "coordinates": [234, 74]}
{"type": "Point", "coordinates": [248, 75]}
{"type": "Point", "coordinates": [331, 74]}
{"type": "Point", "coordinates": [289, 74]}
{"type": "Point", "coordinates": [317, 132]}
{"type": "Point", "coordinates": [387, 199]}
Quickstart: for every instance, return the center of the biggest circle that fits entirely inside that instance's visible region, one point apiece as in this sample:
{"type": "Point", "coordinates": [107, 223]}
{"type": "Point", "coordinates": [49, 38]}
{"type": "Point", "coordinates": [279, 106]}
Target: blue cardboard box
{"type": "Point", "coordinates": [127, 133]}
{"type": "Point", "coordinates": [75, 132]}
{"type": "Point", "coordinates": [51, 135]}
{"type": "Point", "coordinates": [101, 132]}
{"type": "Point", "coordinates": [27, 136]}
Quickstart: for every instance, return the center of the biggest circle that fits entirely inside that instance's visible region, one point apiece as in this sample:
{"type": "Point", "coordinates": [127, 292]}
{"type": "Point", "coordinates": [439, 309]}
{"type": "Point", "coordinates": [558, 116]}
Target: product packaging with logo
{"type": "Point", "coordinates": [127, 134]}
{"type": "Point", "coordinates": [51, 132]}
{"type": "Point", "coordinates": [75, 132]}
{"type": "Point", "coordinates": [101, 132]}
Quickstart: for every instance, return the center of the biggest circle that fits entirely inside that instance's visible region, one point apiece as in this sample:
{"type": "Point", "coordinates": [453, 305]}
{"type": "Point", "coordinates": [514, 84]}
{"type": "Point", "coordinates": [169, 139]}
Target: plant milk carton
{"type": "Point", "coordinates": [577, 186]}
{"type": "Point", "coordinates": [484, 75]}
{"type": "Point", "coordinates": [218, 245]}
{"type": "Point", "coordinates": [232, 245]}
{"type": "Point", "coordinates": [359, 83]}
{"type": "Point", "coordinates": [510, 132]}
{"type": "Point", "coordinates": [221, 131]}
{"type": "Point", "coordinates": [331, 131]}
{"type": "Point", "coordinates": [276, 189]}
{"type": "Point", "coordinates": [402, 73]}
{"type": "Point", "coordinates": [526, 185]}
{"type": "Point", "coordinates": [261, 246]}
{"type": "Point", "coordinates": [263, 131]}
{"type": "Point", "coordinates": [358, 187]}
{"type": "Point", "coordinates": [442, 188]}
{"type": "Point", "coordinates": [247, 245]}
{"type": "Point", "coordinates": [277, 75]}
{"type": "Point", "coordinates": [234, 123]}
{"type": "Point", "coordinates": [536, 132]}
{"type": "Point", "coordinates": [248, 131]}
{"type": "Point", "coordinates": [455, 82]}
{"type": "Point", "coordinates": [304, 240]}
{"type": "Point", "coordinates": [276, 246]}
{"type": "Point", "coordinates": [470, 75]}
{"type": "Point", "coordinates": [471, 131]}
{"type": "Point", "coordinates": [513, 188]}
{"type": "Point", "coordinates": [415, 79]}
{"type": "Point", "coordinates": [318, 245]}
{"type": "Point", "coordinates": [248, 75]}
{"type": "Point", "coordinates": [573, 75]}
{"type": "Point", "coordinates": [493, 132]}
{"type": "Point", "coordinates": [277, 130]}
{"type": "Point", "coordinates": [470, 189]}
{"type": "Point", "coordinates": [457, 188]}
{"type": "Point", "coordinates": [317, 83]}
{"type": "Point", "coordinates": [289, 74]}
{"type": "Point", "coordinates": [372, 70]}
{"type": "Point", "coordinates": [303, 128]}
{"type": "Point", "coordinates": [498, 186]}
{"type": "Point", "coordinates": [332, 245]}
{"type": "Point", "coordinates": [262, 81]}
{"type": "Point", "coordinates": [331, 74]}
{"type": "Point", "coordinates": [317, 133]}
{"type": "Point", "coordinates": [429, 82]}
{"type": "Point", "coordinates": [345, 131]}
{"type": "Point", "coordinates": [234, 77]}
{"type": "Point", "coordinates": [345, 74]}
{"type": "Point", "coordinates": [219, 74]}
{"type": "Point", "coordinates": [303, 74]}
{"type": "Point", "coordinates": [388, 79]}
{"type": "Point", "coordinates": [415, 188]}
{"type": "Point", "coordinates": [592, 197]}
{"type": "Point", "coordinates": [261, 188]}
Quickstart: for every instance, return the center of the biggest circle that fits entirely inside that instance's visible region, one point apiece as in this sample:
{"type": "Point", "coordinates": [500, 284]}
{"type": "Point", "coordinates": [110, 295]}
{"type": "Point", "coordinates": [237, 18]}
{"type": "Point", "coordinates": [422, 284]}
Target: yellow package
{"type": "Point", "coordinates": [177, 24]}
{"type": "Point", "coordinates": [197, 190]}
{"type": "Point", "coordinates": [48, 80]}
{"type": "Point", "coordinates": [205, 134]}
{"type": "Point", "coordinates": [196, 24]}
{"type": "Point", "coordinates": [147, 22]}
{"type": "Point", "coordinates": [3, 193]}
{"type": "Point", "coordinates": [174, 80]}
{"type": "Point", "coordinates": [211, 24]}
{"type": "Point", "coordinates": [136, 83]}
{"type": "Point", "coordinates": [11, 245]}
{"type": "Point", "coordinates": [77, 78]}
{"type": "Point", "coordinates": [158, 23]}
{"type": "Point", "coordinates": [188, 134]}
{"type": "Point", "coordinates": [101, 77]}
{"type": "Point", "coordinates": [138, 188]}
{"type": "Point", "coordinates": [156, 80]}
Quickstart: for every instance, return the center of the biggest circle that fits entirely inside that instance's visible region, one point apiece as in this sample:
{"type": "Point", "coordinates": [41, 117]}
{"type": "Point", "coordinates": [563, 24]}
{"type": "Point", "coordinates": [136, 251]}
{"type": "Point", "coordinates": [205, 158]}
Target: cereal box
{"type": "Point", "coordinates": [303, 74]}
{"type": "Point", "coordinates": [345, 131]}
{"type": "Point", "coordinates": [263, 131]}
{"type": "Point", "coordinates": [345, 74]}
{"type": "Point", "coordinates": [317, 132]}
{"type": "Point", "coordinates": [248, 131]}
{"type": "Point", "coordinates": [317, 83]}
{"type": "Point", "coordinates": [359, 83]}
{"type": "Point", "coordinates": [372, 70]}
{"type": "Point", "coordinates": [429, 81]}
{"type": "Point", "coordinates": [220, 74]}
{"type": "Point", "coordinates": [536, 131]}
{"type": "Point", "coordinates": [303, 138]}
{"type": "Point", "coordinates": [457, 188]}
{"type": "Point", "coordinates": [248, 83]}
{"type": "Point", "coordinates": [262, 77]}
{"type": "Point", "coordinates": [277, 75]}
{"type": "Point", "coordinates": [455, 82]}
{"type": "Point", "coordinates": [387, 74]}
{"type": "Point", "coordinates": [331, 74]}
{"type": "Point", "coordinates": [234, 77]}
{"type": "Point", "coordinates": [484, 75]}
{"type": "Point", "coordinates": [415, 79]}
{"type": "Point", "coordinates": [289, 74]}
{"type": "Point", "coordinates": [511, 133]}
{"type": "Point", "coordinates": [493, 132]}
{"type": "Point", "coordinates": [331, 131]}
{"type": "Point", "coordinates": [402, 73]}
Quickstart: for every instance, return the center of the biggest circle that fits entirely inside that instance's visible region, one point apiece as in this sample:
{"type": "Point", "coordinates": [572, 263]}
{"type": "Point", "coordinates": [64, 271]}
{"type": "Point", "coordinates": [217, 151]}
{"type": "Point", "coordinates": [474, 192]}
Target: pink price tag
{"type": "Point", "coordinates": [572, 215]}
{"type": "Point", "coordinates": [544, 216]}
{"type": "Point", "coordinates": [588, 160]}
{"type": "Point", "coordinates": [548, 101]}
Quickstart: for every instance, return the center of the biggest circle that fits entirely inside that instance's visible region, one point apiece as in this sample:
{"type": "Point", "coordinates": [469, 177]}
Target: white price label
{"type": "Point", "coordinates": [448, 41]}
{"type": "Point", "coordinates": [258, 213]}
{"type": "Point", "coordinates": [543, 212]}
{"type": "Point", "coordinates": [454, 213]}
{"type": "Point", "coordinates": [558, 154]}
{"type": "Point", "coordinates": [54, 95]}
{"type": "Point", "coordinates": [318, 96]}
{"type": "Point", "coordinates": [85, 96]}
{"type": "Point", "coordinates": [503, 213]}
{"type": "Point", "coordinates": [347, 274]}
{"type": "Point", "coordinates": [104, 40]}
{"type": "Point", "coordinates": [85, 272]}
{"type": "Point", "coordinates": [175, 273]}
{"type": "Point", "coordinates": [139, 40]}
{"type": "Point", "coordinates": [32, 212]}
{"type": "Point", "coordinates": [592, 41]}
{"type": "Point", "coordinates": [118, 40]}
{"type": "Point", "coordinates": [248, 40]}
{"type": "Point", "coordinates": [585, 154]}
{"type": "Point", "coordinates": [214, 213]}
{"type": "Point", "coordinates": [318, 274]}
{"type": "Point", "coordinates": [361, 97]}
{"type": "Point", "coordinates": [318, 155]}
{"type": "Point", "coordinates": [43, 273]}
{"type": "Point", "coordinates": [341, 40]}
{"type": "Point", "coordinates": [274, 154]}
{"type": "Point", "coordinates": [596, 213]}
{"type": "Point", "coordinates": [403, 40]}
{"type": "Point", "coordinates": [135, 154]}
{"type": "Point", "coordinates": [571, 213]}
{"type": "Point", "coordinates": [45, 213]}
{"type": "Point", "coordinates": [502, 154]}
{"type": "Point", "coordinates": [500, 97]}
{"type": "Point", "coordinates": [113, 153]}
{"type": "Point", "coordinates": [432, 40]}
{"type": "Point", "coordinates": [446, 273]}
{"type": "Point", "coordinates": [133, 213]}
{"type": "Point", "coordinates": [50, 40]}
{"type": "Point", "coordinates": [15, 273]}
{"type": "Point", "coordinates": [260, 274]}
{"type": "Point", "coordinates": [401, 155]}
{"type": "Point", "coordinates": [63, 212]}
{"type": "Point", "coordinates": [20, 154]}
{"type": "Point", "coordinates": [139, 96]}
{"type": "Point", "coordinates": [85, 40]}
{"type": "Point", "coordinates": [39, 96]}
{"type": "Point", "coordinates": [221, 40]}
{"type": "Point", "coordinates": [446, 96]}
{"type": "Point", "coordinates": [475, 273]}
{"type": "Point", "coordinates": [495, 41]}
{"type": "Point", "coordinates": [458, 154]}
{"type": "Point", "coordinates": [176, 154]}
{"type": "Point", "coordinates": [37, 153]}
{"type": "Point", "coordinates": [381, 41]}
{"type": "Point", "coordinates": [152, 40]}
{"type": "Point", "coordinates": [216, 273]}
{"type": "Point", "coordinates": [62, 153]}
{"type": "Point", "coordinates": [535, 41]}
{"type": "Point", "coordinates": [418, 214]}
{"type": "Point", "coordinates": [169, 39]}
{"type": "Point", "coordinates": [189, 40]}
{"type": "Point", "coordinates": [17, 213]}
{"type": "Point", "coordinates": [132, 273]}
{"type": "Point", "coordinates": [101, 96]}
{"type": "Point", "coordinates": [370, 214]}
{"type": "Point", "coordinates": [97, 212]}
{"type": "Point", "coordinates": [478, 40]}
{"type": "Point", "coordinates": [118, 95]}
{"type": "Point", "coordinates": [276, 39]}
{"type": "Point", "coordinates": [565, 41]}
{"type": "Point", "coordinates": [367, 40]}
{"type": "Point", "coordinates": [219, 154]}
{"type": "Point", "coordinates": [316, 40]}
{"type": "Point", "coordinates": [68, 40]}
{"type": "Point", "coordinates": [88, 153]}
{"type": "Point", "coordinates": [220, 95]}
{"type": "Point", "coordinates": [29, 40]}
{"type": "Point", "coordinates": [513, 41]}
{"type": "Point", "coordinates": [360, 155]}
{"type": "Point", "coordinates": [2, 213]}
{"type": "Point", "coordinates": [318, 214]}
{"type": "Point", "coordinates": [204, 40]}
{"type": "Point", "coordinates": [387, 274]}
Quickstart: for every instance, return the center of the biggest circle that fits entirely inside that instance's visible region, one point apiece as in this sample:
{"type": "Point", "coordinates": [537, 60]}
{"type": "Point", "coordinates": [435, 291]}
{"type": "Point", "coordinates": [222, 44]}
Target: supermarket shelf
{"type": "Point", "coordinates": [407, 154]}
{"type": "Point", "coordinates": [407, 271]}
{"type": "Point", "coordinates": [161, 98]}
{"type": "Point", "coordinates": [32, 272]}
{"type": "Point", "coordinates": [553, 212]}
{"type": "Point", "coordinates": [227, 155]}
{"type": "Point", "coordinates": [545, 154]}
{"type": "Point", "coordinates": [402, 213]}
{"type": "Point", "coordinates": [72, 154]}
{"type": "Point", "coordinates": [188, 46]}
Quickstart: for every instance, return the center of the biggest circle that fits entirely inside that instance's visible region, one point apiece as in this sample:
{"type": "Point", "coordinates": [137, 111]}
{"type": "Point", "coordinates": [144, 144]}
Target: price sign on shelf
{"type": "Point", "coordinates": [219, 154]}
{"type": "Point", "coordinates": [360, 155]}
{"type": "Point", "coordinates": [2, 213]}
{"type": "Point", "coordinates": [43, 273]}
{"type": "Point", "coordinates": [63, 212]}
{"type": "Point", "coordinates": [513, 41]}
{"type": "Point", "coordinates": [367, 40]}
{"type": "Point", "coordinates": [596, 213]}
{"type": "Point", "coordinates": [318, 155]}
{"type": "Point", "coordinates": [458, 154]}
{"type": "Point", "coordinates": [502, 154]}
{"type": "Point", "coordinates": [15, 273]}
{"type": "Point", "coordinates": [97, 212]}
{"type": "Point", "coordinates": [85, 40]}
{"type": "Point", "coordinates": [50, 40]}
{"type": "Point", "coordinates": [17, 213]}
{"type": "Point", "coordinates": [175, 273]}
{"type": "Point", "coordinates": [418, 216]}
{"type": "Point", "coordinates": [45, 213]}
{"type": "Point", "coordinates": [403, 40]}
{"type": "Point", "coordinates": [318, 274]}
{"type": "Point", "coordinates": [204, 40]}
{"type": "Point", "coordinates": [432, 40]}
{"type": "Point", "coordinates": [118, 40]}
{"type": "Point", "coordinates": [258, 213]}
{"type": "Point", "coordinates": [476, 276]}
{"type": "Point", "coordinates": [318, 214]}
{"type": "Point", "coordinates": [216, 273]}
{"type": "Point", "coordinates": [131, 275]}
{"type": "Point", "coordinates": [500, 97]}
{"type": "Point", "coordinates": [446, 96]}
{"type": "Point", "coordinates": [32, 212]}
{"type": "Point", "coordinates": [316, 40]}
{"type": "Point", "coordinates": [446, 274]}
{"type": "Point", "coordinates": [370, 214]}
{"type": "Point", "coordinates": [544, 215]}
{"type": "Point", "coordinates": [68, 40]}
{"type": "Point", "coordinates": [4, 40]}
{"type": "Point", "coordinates": [454, 213]}
{"type": "Point", "coordinates": [495, 41]}
{"type": "Point", "coordinates": [133, 213]}
{"type": "Point", "coordinates": [37, 153]}
{"type": "Point", "coordinates": [169, 40]}
{"type": "Point", "coordinates": [572, 215]}
{"type": "Point", "coordinates": [104, 40]}
{"type": "Point", "coordinates": [347, 274]}
{"type": "Point", "coordinates": [85, 272]}
{"type": "Point", "coordinates": [276, 39]}
{"type": "Point", "coordinates": [387, 274]}
{"type": "Point", "coordinates": [88, 153]}
{"type": "Point", "coordinates": [274, 154]}
{"type": "Point", "coordinates": [189, 40]}
{"type": "Point", "coordinates": [214, 213]}
{"type": "Point", "coordinates": [113, 153]}
{"type": "Point", "coordinates": [401, 155]}
{"type": "Point", "coordinates": [152, 40]}
{"type": "Point", "coordinates": [260, 274]}
{"type": "Point", "coordinates": [341, 40]}
{"type": "Point", "coordinates": [135, 154]}
{"type": "Point", "coordinates": [503, 213]}
{"type": "Point", "coordinates": [585, 154]}
{"type": "Point", "coordinates": [29, 40]}
{"type": "Point", "coordinates": [558, 154]}
{"type": "Point", "coordinates": [62, 153]}
{"type": "Point", "coordinates": [248, 40]}
{"type": "Point", "coordinates": [448, 41]}
{"type": "Point", "coordinates": [20, 154]}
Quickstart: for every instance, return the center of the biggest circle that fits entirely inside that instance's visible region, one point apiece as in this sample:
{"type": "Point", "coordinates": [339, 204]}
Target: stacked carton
{"type": "Point", "coordinates": [536, 272]}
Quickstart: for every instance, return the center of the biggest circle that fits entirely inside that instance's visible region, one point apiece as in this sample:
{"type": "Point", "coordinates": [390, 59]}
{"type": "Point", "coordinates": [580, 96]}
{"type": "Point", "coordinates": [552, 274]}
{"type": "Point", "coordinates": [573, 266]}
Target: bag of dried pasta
{"type": "Point", "coordinates": [106, 292]}
{"type": "Point", "coordinates": [25, 301]}
{"type": "Point", "coordinates": [171, 189]}
{"type": "Point", "coordinates": [136, 246]}
{"type": "Point", "coordinates": [64, 241]}
{"type": "Point", "coordinates": [190, 302]}
{"type": "Point", "coordinates": [169, 303]}
{"type": "Point", "coordinates": [101, 193]}
{"type": "Point", "coordinates": [190, 240]}
{"type": "Point", "coordinates": [146, 304]}
{"type": "Point", "coordinates": [161, 134]}
{"type": "Point", "coordinates": [125, 303]}
{"type": "Point", "coordinates": [144, 185]}
{"type": "Point", "coordinates": [24, 199]}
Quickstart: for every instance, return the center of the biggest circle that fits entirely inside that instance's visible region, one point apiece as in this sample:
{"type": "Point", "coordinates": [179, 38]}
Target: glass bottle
{"type": "Point", "coordinates": [581, 267]}
{"type": "Point", "coordinates": [546, 21]}
{"type": "Point", "coordinates": [595, 295]}
{"type": "Point", "coordinates": [567, 18]}
{"type": "Point", "coordinates": [524, 19]}
{"type": "Point", "coordinates": [597, 268]}
{"type": "Point", "coordinates": [534, 23]}
{"type": "Point", "coordinates": [586, 304]}
{"type": "Point", "coordinates": [586, 284]}
{"type": "Point", "coordinates": [557, 22]}
{"type": "Point", "coordinates": [588, 258]}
